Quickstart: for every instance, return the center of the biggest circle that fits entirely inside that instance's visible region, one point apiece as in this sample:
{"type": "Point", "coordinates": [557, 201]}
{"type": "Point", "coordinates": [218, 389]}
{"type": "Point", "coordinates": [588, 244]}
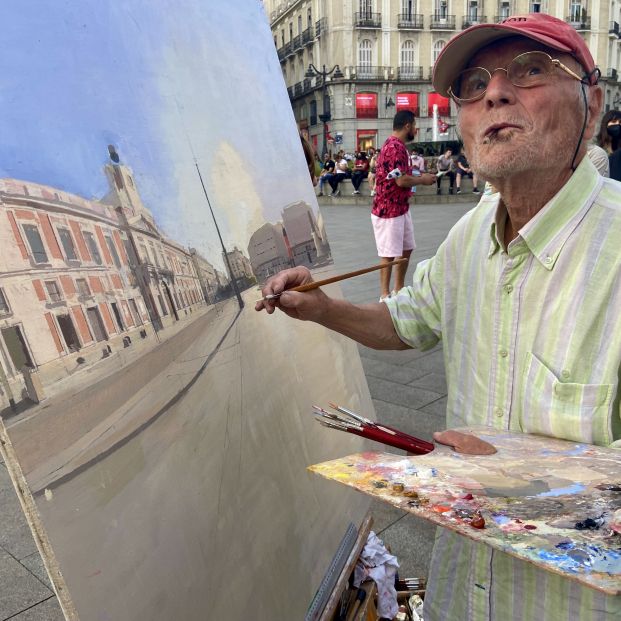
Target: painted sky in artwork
{"type": "Point", "coordinates": [167, 83]}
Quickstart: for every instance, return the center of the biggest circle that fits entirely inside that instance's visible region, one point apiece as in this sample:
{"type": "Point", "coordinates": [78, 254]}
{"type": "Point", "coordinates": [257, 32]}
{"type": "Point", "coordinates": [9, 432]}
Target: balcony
{"type": "Point", "coordinates": [321, 25]}
{"type": "Point", "coordinates": [613, 28]}
{"type": "Point", "coordinates": [410, 72]}
{"type": "Point", "coordinates": [410, 21]}
{"type": "Point", "coordinates": [500, 18]}
{"type": "Point", "coordinates": [308, 35]}
{"type": "Point", "coordinates": [442, 22]}
{"type": "Point", "coordinates": [367, 20]}
{"type": "Point", "coordinates": [297, 43]}
{"type": "Point", "coordinates": [473, 20]}
{"type": "Point", "coordinates": [367, 72]}
{"type": "Point", "coordinates": [290, 91]}
{"type": "Point", "coordinates": [307, 85]}
{"type": "Point", "coordinates": [579, 22]}
{"type": "Point", "coordinates": [612, 75]}
{"type": "Point", "coordinates": [298, 89]}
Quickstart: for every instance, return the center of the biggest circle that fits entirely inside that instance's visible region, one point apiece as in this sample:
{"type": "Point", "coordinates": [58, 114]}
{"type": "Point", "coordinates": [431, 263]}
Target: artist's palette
{"type": "Point", "coordinates": [553, 503]}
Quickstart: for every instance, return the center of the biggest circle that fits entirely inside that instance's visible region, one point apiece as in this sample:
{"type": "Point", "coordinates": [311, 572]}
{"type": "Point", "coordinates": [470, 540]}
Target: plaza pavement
{"type": "Point", "coordinates": [408, 390]}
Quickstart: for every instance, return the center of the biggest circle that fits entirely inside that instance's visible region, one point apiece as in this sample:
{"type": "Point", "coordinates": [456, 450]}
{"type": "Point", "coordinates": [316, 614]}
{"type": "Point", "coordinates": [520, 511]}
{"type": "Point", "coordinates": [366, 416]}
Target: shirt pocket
{"type": "Point", "coordinates": [566, 410]}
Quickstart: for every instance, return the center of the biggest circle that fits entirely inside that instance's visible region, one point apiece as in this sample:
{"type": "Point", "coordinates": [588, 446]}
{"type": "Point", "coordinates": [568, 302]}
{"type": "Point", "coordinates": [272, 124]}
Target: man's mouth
{"type": "Point", "coordinates": [498, 131]}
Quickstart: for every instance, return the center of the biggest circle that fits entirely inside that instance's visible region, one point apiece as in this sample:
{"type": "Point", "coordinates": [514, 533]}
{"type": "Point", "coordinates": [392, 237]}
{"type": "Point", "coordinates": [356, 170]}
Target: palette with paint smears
{"type": "Point", "coordinates": [553, 503]}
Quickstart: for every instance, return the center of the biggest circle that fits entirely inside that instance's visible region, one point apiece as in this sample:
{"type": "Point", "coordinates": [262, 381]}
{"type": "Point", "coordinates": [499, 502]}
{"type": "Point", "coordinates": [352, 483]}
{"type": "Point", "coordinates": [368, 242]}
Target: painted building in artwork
{"type": "Point", "coordinates": [239, 266]}
{"type": "Point", "coordinates": [303, 234]}
{"type": "Point", "coordinates": [209, 277]}
{"type": "Point", "coordinates": [80, 279]}
{"type": "Point", "coordinates": [268, 251]}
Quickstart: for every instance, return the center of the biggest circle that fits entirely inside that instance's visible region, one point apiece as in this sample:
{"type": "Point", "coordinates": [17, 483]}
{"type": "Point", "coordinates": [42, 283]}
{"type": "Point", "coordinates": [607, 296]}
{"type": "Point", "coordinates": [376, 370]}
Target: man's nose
{"type": "Point", "coordinates": [500, 90]}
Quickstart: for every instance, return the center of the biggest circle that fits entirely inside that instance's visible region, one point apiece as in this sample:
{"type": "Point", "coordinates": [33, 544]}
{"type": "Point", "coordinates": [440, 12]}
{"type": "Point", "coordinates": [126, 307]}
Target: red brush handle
{"type": "Point", "coordinates": [402, 441]}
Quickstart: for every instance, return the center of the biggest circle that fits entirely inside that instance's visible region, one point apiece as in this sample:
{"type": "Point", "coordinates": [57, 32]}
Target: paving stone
{"type": "Point", "coordinates": [411, 541]}
{"type": "Point", "coordinates": [34, 564]}
{"type": "Point", "coordinates": [392, 372]}
{"type": "Point", "coordinates": [431, 381]}
{"type": "Point", "coordinates": [19, 588]}
{"type": "Point", "coordinates": [384, 516]}
{"type": "Point", "coordinates": [408, 396]}
{"type": "Point", "coordinates": [15, 535]}
{"type": "Point", "coordinates": [415, 422]}
{"type": "Point", "coordinates": [437, 407]}
{"type": "Point", "coordinates": [49, 610]}
{"type": "Point", "coordinates": [434, 362]}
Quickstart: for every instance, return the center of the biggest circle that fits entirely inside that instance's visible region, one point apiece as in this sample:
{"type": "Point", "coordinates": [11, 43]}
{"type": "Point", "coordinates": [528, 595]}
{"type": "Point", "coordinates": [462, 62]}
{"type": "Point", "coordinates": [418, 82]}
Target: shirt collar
{"type": "Point", "coordinates": [546, 234]}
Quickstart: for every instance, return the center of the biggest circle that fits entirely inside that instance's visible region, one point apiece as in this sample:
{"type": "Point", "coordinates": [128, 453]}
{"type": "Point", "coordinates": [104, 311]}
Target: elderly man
{"type": "Point", "coordinates": [524, 292]}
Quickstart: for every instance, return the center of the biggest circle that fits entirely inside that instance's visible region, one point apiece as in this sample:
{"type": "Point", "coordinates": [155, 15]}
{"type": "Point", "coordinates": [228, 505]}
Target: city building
{"type": "Point", "coordinates": [268, 251]}
{"type": "Point", "coordinates": [209, 277]}
{"type": "Point", "coordinates": [240, 269]}
{"type": "Point", "coordinates": [385, 51]}
{"type": "Point", "coordinates": [80, 279]}
{"type": "Point", "coordinates": [303, 235]}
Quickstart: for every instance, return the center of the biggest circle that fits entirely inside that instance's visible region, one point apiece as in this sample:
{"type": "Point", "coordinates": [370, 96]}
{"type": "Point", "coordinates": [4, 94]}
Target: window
{"type": "Point", "coordinates": [53, 291]}
{"type": "Point", "coordinates": [535, 7]}
{"type": "Point", "coordinates": [67, 241]}
{"type": "Point", "coordinates": [36, 243]}
{"type": "Point", "coordinates": [437, 48]}
{"type": "Point", "coordinates": [5, 309]}
{"type": "Point", "coordinates": [365, 56]}
{"type": "Point", "coordinates": [444, 106]}
{"type": "Point", "coordinates": [408, 56]}
{"type": "Point", "coordinates": [112, 249]}
{"type": "Point", "coordinates": [309, 18]}
{"type": "Point", "coordinates": [575, 11]}
{"type": "Point", "coordinates": [441, 9]}
{"type": "Point", "coordinates": [366, 8]}
{"type": "Point", "coordinates": [408, 8]}
{"type": "Point", "coordinates": [82, 286]}
{"type": "Point", "coordinates": [504, 10]}
{"type": "Point", "coordinates": [407, 101]}
{"type": "Point", "coordinates": [290, 31]}
{"type": "Point", "coordinates": [92, 246]}
{"type": "Point", "coordinates": [299, 24]}
{"type": "Point", "coordinates": [473, 11]}
{"type": "Point", "coordinates": [366, 105]}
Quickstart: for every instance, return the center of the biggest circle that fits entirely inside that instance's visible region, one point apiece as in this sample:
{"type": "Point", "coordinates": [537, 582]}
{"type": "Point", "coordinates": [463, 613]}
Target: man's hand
{"type": "Point", "coordinates": [426, 179]}
{"type": "Point", "coordinates": [306, 306]}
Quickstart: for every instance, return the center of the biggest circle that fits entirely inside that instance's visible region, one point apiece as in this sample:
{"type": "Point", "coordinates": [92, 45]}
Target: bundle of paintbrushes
{"type": "Point", "coordinates": [349, 421]}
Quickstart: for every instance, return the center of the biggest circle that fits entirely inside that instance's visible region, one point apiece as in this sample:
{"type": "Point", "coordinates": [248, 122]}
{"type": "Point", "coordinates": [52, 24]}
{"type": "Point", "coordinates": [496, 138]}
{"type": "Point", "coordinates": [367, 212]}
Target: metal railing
{"type": "Point", "coordinates": [410, 21]}
{"type": "Point", "coordinates": [290, 91]}
{"type": "Point", "coordinates": [500, 18]}
{"type": "Point", "coordinates": [308, 35]}
{"type": "Point", "coordinates": [612, 74]}
{"type": "Point", "coordinates": [579, 22]}
{"type": "Point", "coordinates": [298, 89]}
{"type": "Point", "coordinates": [472, 21]}
{"type": "Point", "coordinates": [297, 43]}
{"type": "Point", "coordinates": [307, 85]}
{"type": "Point", "coordinates": [367, 20]}
{"type": "Point", "coordinates": [321, 25]}
{"type": "Point", "coordinates": [442, 22]}
{"type": "Point", "coordinates": [613, 28]}
{"type": "Point", "coordinates": [409, 72]}
{"type": "Point", "coordinates": [367, 72]}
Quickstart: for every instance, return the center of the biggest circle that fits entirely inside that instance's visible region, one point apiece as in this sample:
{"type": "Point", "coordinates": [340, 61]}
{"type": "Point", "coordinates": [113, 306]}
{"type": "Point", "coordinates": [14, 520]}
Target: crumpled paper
{"type": "Point", "coordinates": [379, 565]}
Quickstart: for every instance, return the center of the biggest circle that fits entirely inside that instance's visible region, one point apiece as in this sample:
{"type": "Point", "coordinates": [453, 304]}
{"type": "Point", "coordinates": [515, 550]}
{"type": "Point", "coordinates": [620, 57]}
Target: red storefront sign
{"type": "Point", "coordinates": [444, 106]}
{"type": "Point", "coordinates": [366, 105]}
{"type": "Point", "coordinates": [408, 101]}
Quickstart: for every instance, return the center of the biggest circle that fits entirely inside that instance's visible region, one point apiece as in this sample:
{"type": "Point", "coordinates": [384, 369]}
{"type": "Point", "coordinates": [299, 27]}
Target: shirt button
{"type": "Point", "coordinates": [504, 353]}
{"type": "Point", "coordinates": [498, 412]}
{"type": "Point", "coordinates": [508, 288]}
{"type": "Point", "coordinates": [548, 260]}
{"type": "Point", "coordinates": [565, 374]}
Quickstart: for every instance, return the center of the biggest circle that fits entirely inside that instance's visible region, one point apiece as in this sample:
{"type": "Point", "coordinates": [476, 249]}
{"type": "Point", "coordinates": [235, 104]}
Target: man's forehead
{"type": "Point", "coordinates": [508, 49]}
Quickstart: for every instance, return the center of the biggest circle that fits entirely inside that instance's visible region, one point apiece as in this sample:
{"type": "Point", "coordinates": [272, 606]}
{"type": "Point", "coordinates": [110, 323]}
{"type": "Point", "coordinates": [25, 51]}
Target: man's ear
{"type": "Point", "coordinates": [595, 99]}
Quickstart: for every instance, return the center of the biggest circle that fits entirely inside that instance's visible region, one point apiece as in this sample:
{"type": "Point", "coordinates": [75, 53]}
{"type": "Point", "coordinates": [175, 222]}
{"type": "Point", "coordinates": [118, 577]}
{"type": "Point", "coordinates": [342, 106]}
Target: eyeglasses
{"type": "Point", "coordinates": [526, 70]}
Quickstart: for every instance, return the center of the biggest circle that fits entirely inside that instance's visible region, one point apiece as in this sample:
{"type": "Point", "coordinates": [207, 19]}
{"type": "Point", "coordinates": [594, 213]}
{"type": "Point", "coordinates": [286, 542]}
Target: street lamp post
{"type": "Point", "coordinates": [325, 116]}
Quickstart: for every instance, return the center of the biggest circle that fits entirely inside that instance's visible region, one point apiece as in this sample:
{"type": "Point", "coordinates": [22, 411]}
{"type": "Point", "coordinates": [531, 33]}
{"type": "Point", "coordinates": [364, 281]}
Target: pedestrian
{"type": "Point", "coordinates": [360, 172]}
{"type": "Point", "coordinates": [446, 168]}
{"type": "Point", "coordinates": [341, 172]}
{"type": "Point", "coordinates": [392, 223]}
{"type": "Point", "coordinates": [463, 170]}
{"type": "Point", "coordinates": [326, 172]}
{"type": "Point", "coordinates": [523, 294]}
{"type": "Point", "coordinates": [372, 170]}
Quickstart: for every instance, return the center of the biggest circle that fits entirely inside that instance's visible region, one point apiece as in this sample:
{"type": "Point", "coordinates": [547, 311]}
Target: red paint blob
{"type": "Point", "coordinates": [530, 527]}
{"type": "Point", "coordinates": [468, 497]}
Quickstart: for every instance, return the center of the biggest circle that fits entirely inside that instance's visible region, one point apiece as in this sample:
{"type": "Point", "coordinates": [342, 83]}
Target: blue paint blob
{"type": "Point", "coordinates": [565, 545]}
{"type": "Point", "coordinates": [501, 519]}
{"type": "Point", "coordinates": [575, 488]}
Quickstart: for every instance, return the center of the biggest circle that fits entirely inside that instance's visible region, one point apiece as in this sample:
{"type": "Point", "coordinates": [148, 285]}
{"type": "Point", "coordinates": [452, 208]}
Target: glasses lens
{"type": "Point", "coordinates": [470, 84]}
{"type": "Point", "coordinates": [530, 68]}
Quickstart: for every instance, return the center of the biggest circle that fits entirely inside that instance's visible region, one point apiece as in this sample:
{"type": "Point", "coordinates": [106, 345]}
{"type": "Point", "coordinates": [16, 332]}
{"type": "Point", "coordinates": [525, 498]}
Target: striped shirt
{"type": "Point", "coordinates": [532, 342]}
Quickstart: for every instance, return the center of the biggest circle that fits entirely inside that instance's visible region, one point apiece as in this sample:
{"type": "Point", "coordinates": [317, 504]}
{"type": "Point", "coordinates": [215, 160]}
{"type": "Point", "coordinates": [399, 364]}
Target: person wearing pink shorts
{"type": "Point", "coordinates": [392, 223]}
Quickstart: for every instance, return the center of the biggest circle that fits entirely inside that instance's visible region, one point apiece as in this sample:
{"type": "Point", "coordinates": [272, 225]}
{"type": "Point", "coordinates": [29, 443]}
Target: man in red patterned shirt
{"type": "Point", "coordinates": [392, 223]}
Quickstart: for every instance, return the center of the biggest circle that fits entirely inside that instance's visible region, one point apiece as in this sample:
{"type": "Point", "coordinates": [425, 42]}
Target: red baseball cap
{"type": "Point", "coordinates": [552, 32]}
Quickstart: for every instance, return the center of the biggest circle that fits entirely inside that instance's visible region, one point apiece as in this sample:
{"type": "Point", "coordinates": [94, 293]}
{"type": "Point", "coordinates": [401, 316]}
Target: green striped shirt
{"type": "Point", "coordinates": [532, 342]}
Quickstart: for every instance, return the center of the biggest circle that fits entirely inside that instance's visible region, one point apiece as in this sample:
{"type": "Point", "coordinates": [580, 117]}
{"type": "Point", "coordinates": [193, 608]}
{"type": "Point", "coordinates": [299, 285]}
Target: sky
{"type": "Point", "coordinates": [168, 83]}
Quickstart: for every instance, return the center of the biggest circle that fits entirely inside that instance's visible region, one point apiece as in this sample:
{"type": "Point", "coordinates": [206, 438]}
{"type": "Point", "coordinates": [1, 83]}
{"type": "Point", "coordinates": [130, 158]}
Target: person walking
{"type": "Point", "coordinates": [392, 223]}
{"type": "Point", "coordinates": [523, 294]}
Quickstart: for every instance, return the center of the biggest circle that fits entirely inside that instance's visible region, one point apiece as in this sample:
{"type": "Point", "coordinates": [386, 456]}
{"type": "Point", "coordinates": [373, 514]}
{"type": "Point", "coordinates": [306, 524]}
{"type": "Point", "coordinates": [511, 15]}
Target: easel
{"type": "Point", "coordinates": [358, 611]}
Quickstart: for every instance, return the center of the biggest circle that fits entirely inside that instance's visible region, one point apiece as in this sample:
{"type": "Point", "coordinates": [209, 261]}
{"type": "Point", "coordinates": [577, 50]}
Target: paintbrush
{"type": "Point", "coordinates": [319, 283]}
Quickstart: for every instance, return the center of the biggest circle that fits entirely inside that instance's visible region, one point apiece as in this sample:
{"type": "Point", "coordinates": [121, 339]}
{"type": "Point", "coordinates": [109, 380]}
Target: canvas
{"type": "Point", "coordinates": [553, 503]}
{"type": "Point", "coordinates": [157, 428]}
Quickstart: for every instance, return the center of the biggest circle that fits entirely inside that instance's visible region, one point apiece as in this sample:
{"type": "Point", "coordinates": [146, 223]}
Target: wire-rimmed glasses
{"type": "Point", "coordinates": [525, 70]}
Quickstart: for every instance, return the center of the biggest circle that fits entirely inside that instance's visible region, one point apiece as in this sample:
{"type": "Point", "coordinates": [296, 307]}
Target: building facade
{"type": "Point", "coordinates": [385, 50]}
{"type": "Point", "coordinates": [80, 279]}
